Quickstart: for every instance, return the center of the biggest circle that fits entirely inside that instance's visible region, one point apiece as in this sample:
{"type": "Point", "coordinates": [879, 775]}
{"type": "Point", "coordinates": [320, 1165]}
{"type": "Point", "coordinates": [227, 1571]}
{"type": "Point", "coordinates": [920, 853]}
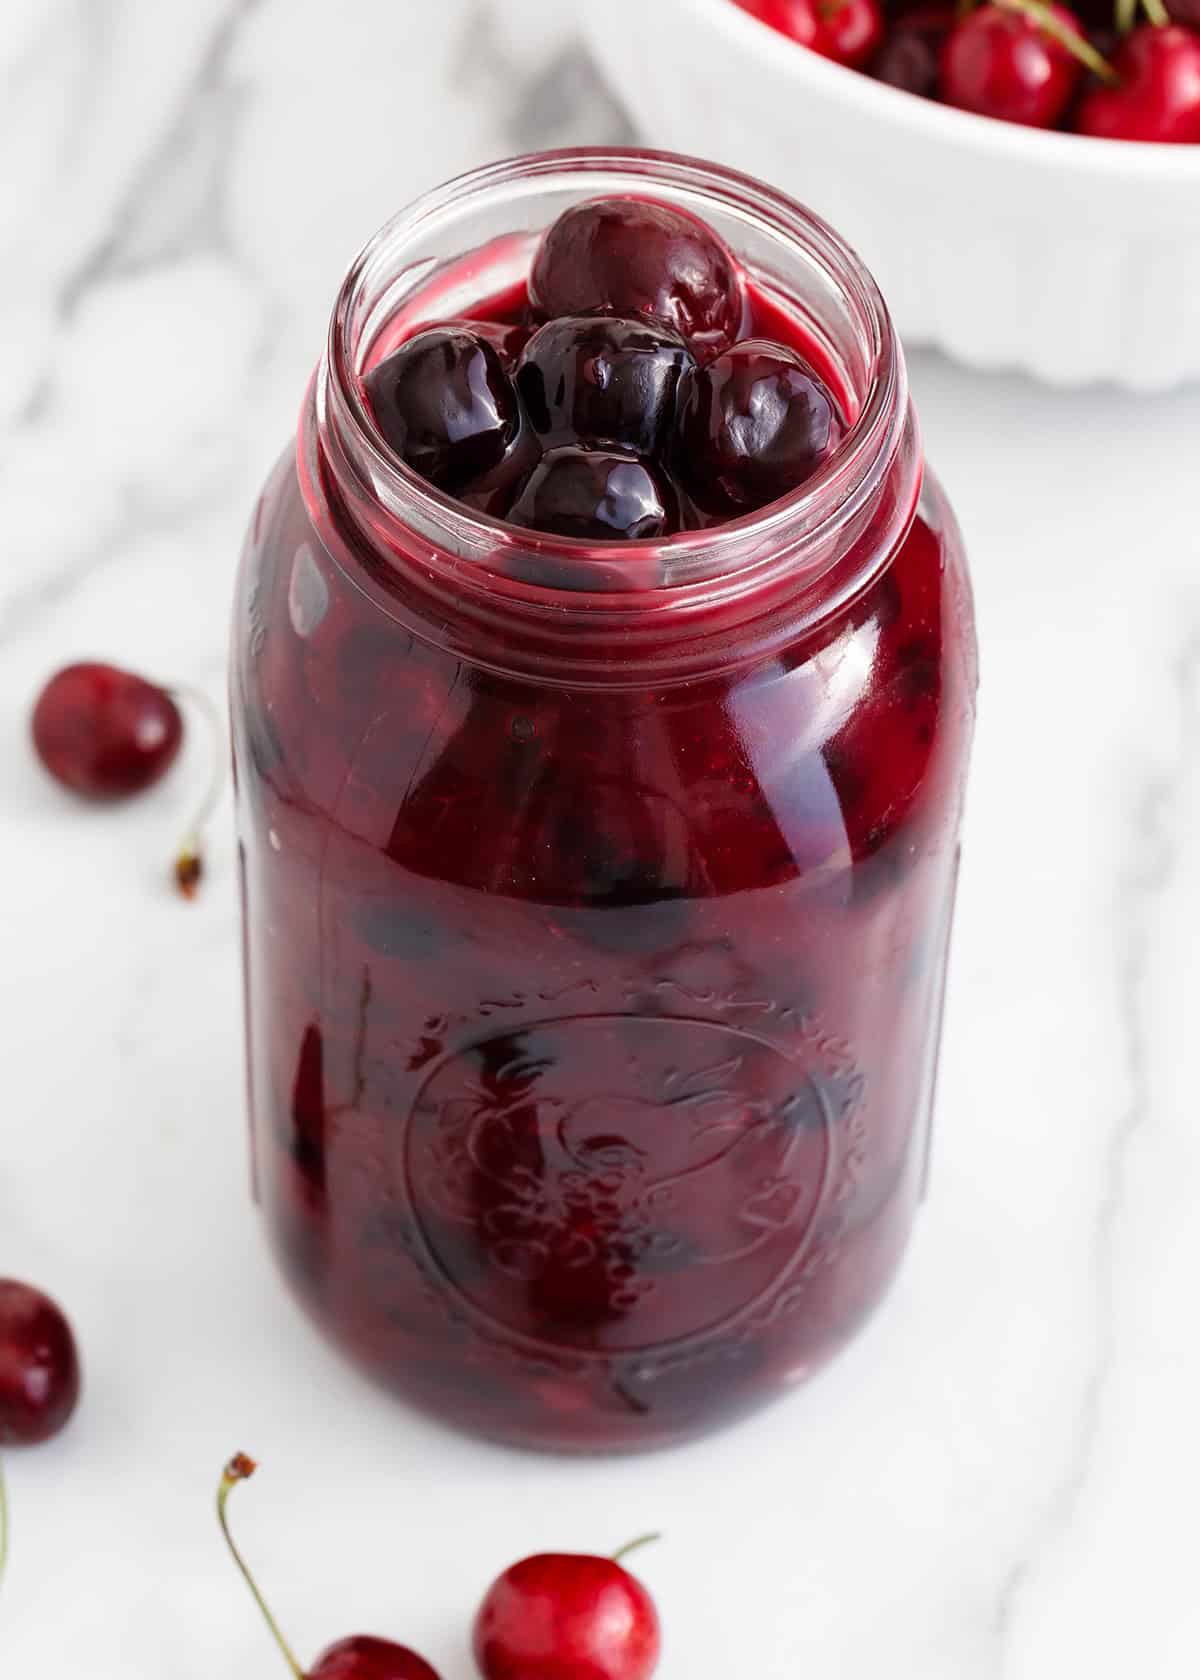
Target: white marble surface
{"type": "Point", "coordinates": [998, 1482]}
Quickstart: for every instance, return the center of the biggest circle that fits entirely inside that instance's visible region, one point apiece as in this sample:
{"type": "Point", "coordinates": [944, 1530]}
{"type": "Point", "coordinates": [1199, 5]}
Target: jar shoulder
{"type": "Point", "coordinates": [848, 744]}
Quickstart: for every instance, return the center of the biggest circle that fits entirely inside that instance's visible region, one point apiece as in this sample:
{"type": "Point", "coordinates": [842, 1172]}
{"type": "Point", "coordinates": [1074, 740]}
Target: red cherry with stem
{"type": "Point", "coordinates": [1018, 61]}
{"type": "Point", "coordinates": [847, 31]}
{"type": "Point", "coordinates": [562, 1616]}
{"type": "Point", "coordinates": [107, 734]}
{"type": "Point", "coordinates": [358, 1658]}
{"type": "Point", "coordinates": [1158, 97]}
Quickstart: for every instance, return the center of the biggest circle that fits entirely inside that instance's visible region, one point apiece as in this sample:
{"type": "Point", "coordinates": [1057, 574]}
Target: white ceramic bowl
{"type": "Point", "coordinates": [1073, 259]}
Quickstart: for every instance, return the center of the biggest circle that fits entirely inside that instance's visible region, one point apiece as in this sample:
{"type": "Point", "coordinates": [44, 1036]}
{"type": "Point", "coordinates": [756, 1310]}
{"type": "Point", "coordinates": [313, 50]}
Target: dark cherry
{"type": "Point", "coordinates": [909, 56]}
{"type": "Point", "coordinates": [562, 1616]}
{"type": "Point", "coordinates": [493, 492]}
{"type": "Point", "coordinates": [1003, 63]}
{"type": "Point", "coordinates": [1186, 12]}
{"type": "Point", "coordinates": [105, 733]}
{"type": "Point", "coordinates": [360, 1657]}
{"type": "Point", "coordinates": [364, 1658]}
{"type": "Point", "coordinates": [1158, 97]}
{"type": "Point", "coordinates": [507, 338]}
{"type": "Point", "coordinates": [848, 31]}
{"type": "Point", "coordinates": [599, 495]}
{"type": "Point", "coordinates": [445, 404]}
{"type": "Point", "coordinates": [602, 379]}
{"type": "Point", "coordinates": [752, 426]}
{"type": "Point", "coordinates": [633, 257]}
{"type": "Point", "coordinates": [39, 1366]}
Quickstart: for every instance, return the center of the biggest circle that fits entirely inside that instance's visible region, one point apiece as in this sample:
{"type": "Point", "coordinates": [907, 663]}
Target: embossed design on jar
{"type": "Point", "coordinates": [608, 1183]}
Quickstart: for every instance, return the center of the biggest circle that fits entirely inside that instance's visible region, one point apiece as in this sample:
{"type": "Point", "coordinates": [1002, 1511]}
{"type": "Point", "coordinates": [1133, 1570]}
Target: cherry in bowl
{"type": "Point", "coordinates": [847, 31]}
{"type": "Point", "coordinates": [1000, 62]}
{"type": "Point", "coordinates": [1157, 94]}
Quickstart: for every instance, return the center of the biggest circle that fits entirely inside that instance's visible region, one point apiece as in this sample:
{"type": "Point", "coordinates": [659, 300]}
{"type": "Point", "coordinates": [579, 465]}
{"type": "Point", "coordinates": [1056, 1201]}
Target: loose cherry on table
{"type": "Point", "coordinates": [1158, 93]}
{"type": "Point", "coordinates": [39, 1375]}
{"type": "Point", "coordinates": [566, 1616]}
{"type": "Point", "coordinates": [1003, 62]}
{"type": "Point", "coordinates": [361, 1657]}
{"type": "Point", "coordinates": [107, 735]}
{"type": "Point", "coordinates": [1023, 61]}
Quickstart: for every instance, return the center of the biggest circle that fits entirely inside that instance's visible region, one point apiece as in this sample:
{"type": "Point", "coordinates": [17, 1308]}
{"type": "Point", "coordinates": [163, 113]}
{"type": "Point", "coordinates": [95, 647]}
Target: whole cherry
{"type": "Point", "coordinates": [597, 495]}
{"type": "Point", "coordinates": [105, 733]}
{"type": "Point", "coordinates": [39, 1376]}
{"type": "Point", "coordinates": [108, 734]}
{"type": "Point", "coordinates": [1158, 94]}
{"type": "Point", "coordinates": [910, 55]}
{"type": "Point", "coordinates": [1019, 65]}
{"type": "Point", "coordinates": [566, 1616]}
{"type": "Point", "coordinates": [847, 31]}
{"type": "Point", "coordinates": [634, 257]}
{"type": "Point", "coordinates": [752, 426]}
{"type": "Point", "coordinates": [445, 405]}
{"type": "Point", "coordinates": [360, 1657]}
{"type": "Point", "coordinates": [39, 1366]}
{"type": "Point", "coordinates": [599, 379]}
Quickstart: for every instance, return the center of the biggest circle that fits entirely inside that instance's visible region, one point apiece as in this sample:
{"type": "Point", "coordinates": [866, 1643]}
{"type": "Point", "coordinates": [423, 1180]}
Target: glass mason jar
{"type": "Point", "coordinates": [596, 898]}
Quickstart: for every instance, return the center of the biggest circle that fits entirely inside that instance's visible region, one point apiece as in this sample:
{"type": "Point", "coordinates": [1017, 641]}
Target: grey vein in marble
{"type": "Point", "coordinates": [564, 102]}
{"type": "Point", "coordinates": [1153, 855]}
{"type": "Point", "coordinates": [132, 243]}
{"type": "Point", "coordinates": [138, 516]}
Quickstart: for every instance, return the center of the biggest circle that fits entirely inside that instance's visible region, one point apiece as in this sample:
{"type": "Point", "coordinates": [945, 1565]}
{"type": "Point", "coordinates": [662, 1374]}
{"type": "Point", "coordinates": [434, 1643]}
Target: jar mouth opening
{"type": "Point", "coordinates": [825, 500]}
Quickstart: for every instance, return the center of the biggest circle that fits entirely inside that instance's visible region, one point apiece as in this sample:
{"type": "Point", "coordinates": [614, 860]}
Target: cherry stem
{"type": "Point", "coordinates": [1157, 13]}
{"type": "Point", "coordinates": [623, 1552]}
{"type": "Point", "coordinates": [240, 1469]}
{"type": "Point", "coordinates": [1061, 32]}
{"type": "Point", "coordinates": [1126, 15]}
{"type": "Point", "coordinates": [189, 860]}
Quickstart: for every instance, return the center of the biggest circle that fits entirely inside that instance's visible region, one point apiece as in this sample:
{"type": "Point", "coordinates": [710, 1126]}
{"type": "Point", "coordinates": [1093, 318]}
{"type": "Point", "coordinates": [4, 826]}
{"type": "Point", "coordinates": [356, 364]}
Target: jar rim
{"type": "Point", "coordinates": [783, 530]}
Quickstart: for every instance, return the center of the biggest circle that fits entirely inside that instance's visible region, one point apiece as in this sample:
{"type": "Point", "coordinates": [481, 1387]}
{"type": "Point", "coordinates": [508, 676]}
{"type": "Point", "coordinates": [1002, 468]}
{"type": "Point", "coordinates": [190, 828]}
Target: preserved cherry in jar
{"type": "Point", "coordinates": [603, 683]}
